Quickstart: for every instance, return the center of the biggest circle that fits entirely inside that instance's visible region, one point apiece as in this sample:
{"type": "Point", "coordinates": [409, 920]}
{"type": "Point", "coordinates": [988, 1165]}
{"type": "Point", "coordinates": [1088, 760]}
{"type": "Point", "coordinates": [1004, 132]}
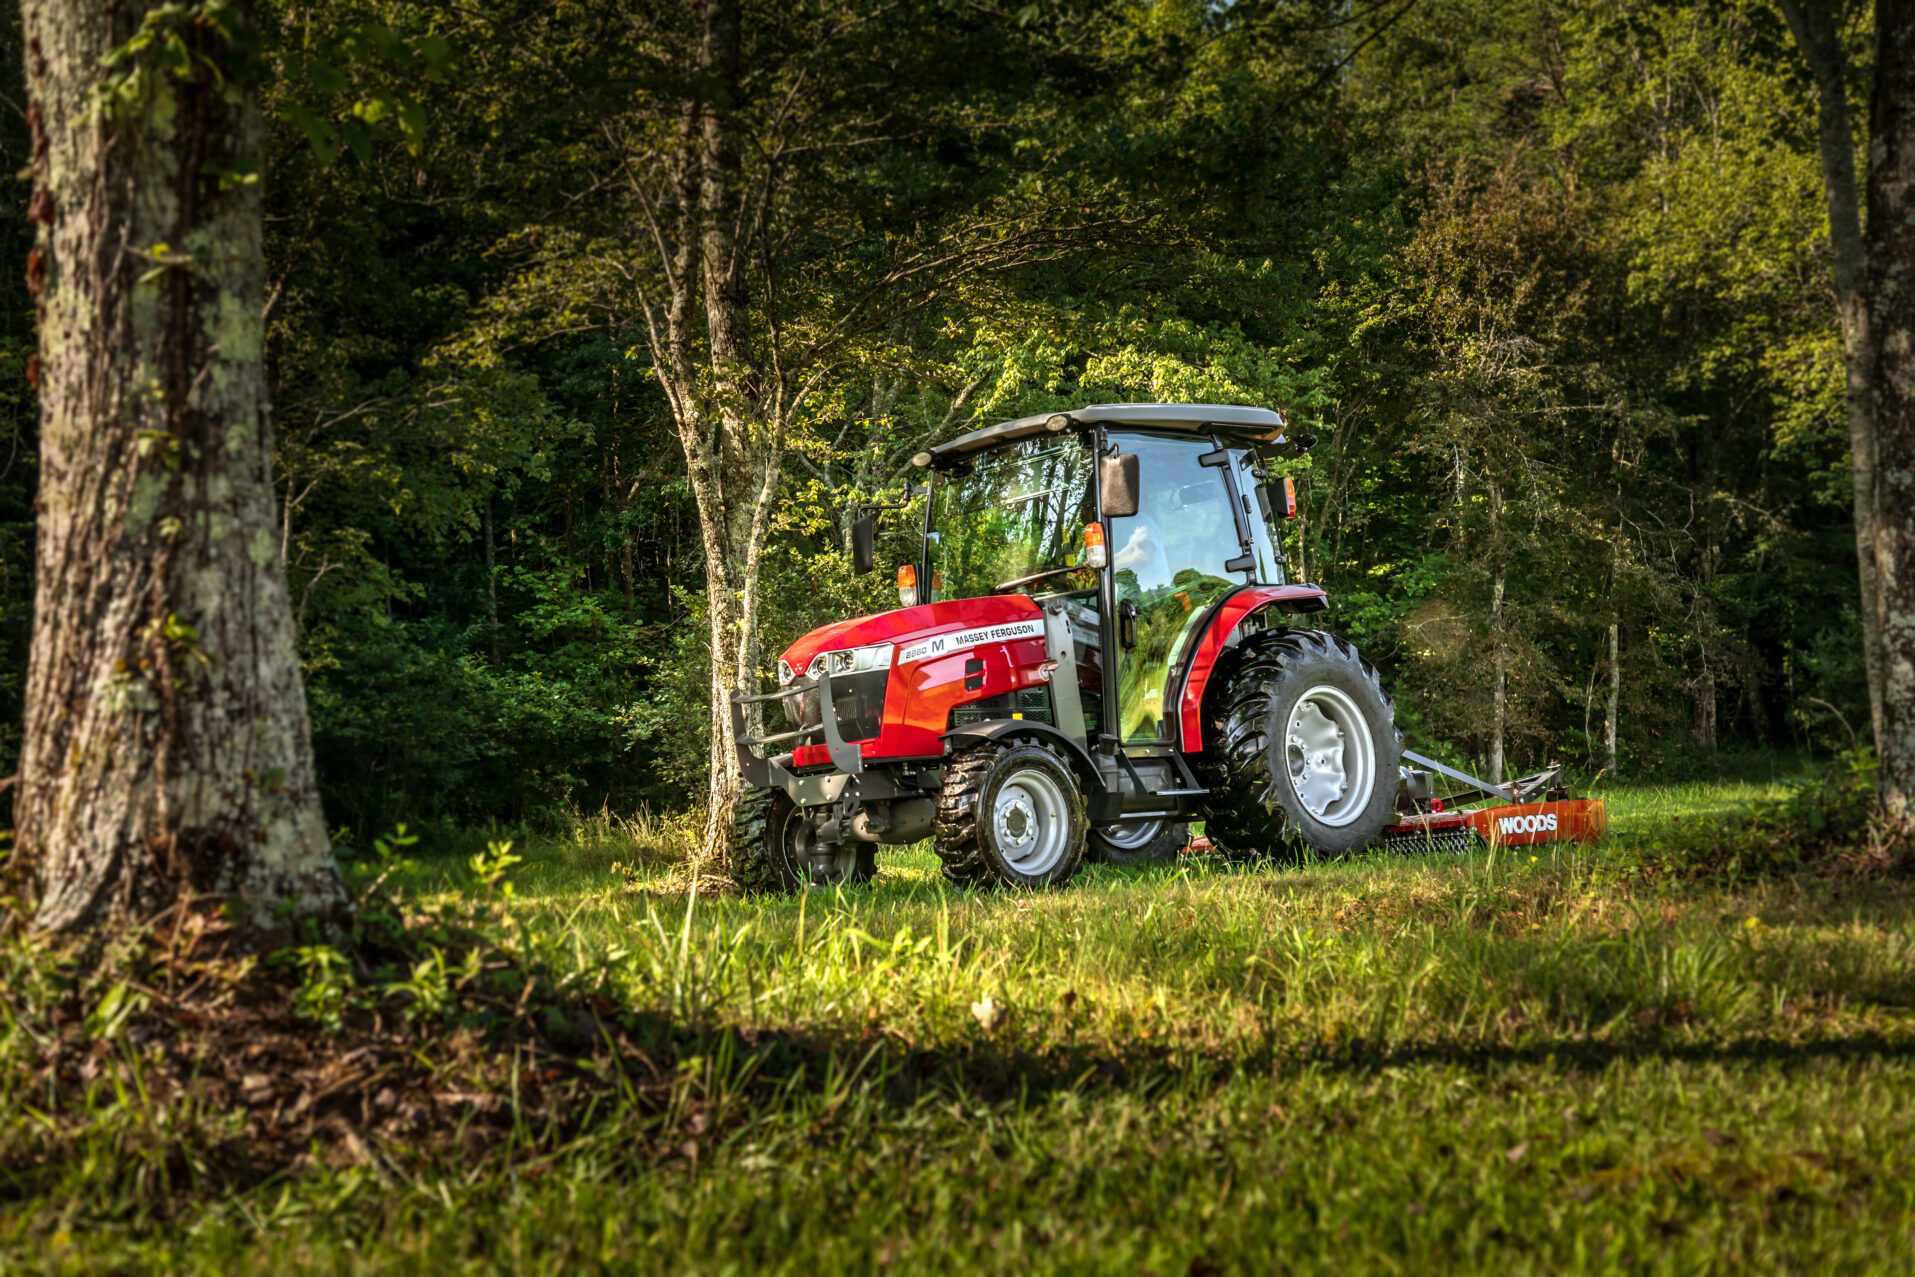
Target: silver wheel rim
{"type": "Point", "coordinates": [1030, 822]}
{"type": "Point", "coordinates": [815, 863]}
{"type": "Point", "coordinates": [1332, 761]}
{"type": "Point", "coordinates": [1132, 837]}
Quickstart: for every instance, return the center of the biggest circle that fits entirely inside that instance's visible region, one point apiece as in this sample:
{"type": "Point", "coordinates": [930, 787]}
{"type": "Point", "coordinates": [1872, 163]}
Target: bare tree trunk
{"type": "Point", "coordinates": [1499, 650]}
{"type": "Point", "coordinates": [491, 590]}
{"type": "Point", "coordinates": [167, 748]}
{"type": "Point", "coordinates": [1499, 686]}
{"type": "Point", "coordinates": [734, 653]}
{"type": "Point", "coordinates": [1615, 692]}
{"type": "Point", "coordinates": [1705, 630]}
{"type": "Point", "coordinates": [1891, 225]}
{"type": "Point", "coordinates": [1705, 722]}
{"type": "Point", "coordinates": [1816, 34]}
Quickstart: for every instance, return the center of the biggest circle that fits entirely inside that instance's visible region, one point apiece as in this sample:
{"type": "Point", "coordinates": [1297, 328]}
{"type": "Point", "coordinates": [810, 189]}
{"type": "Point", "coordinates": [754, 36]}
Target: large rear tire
{"type": "Point", "coordinates": [1140, 842]}
{"type": "Point", "coordinates": [1301, 750]}
{"type": "Point", "coordinates": [1010, 813]}
{"type": "Point", "coordinates": [774, 847]}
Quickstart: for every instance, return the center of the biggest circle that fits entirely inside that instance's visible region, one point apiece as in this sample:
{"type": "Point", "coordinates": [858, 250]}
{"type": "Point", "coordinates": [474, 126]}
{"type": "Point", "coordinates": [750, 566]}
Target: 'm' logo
{"type": "Point", "coordinates": [1543, 824]}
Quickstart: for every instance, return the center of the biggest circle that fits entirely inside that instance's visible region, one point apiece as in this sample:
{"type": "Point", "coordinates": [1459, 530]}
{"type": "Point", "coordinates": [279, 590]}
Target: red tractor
{"type": "Point", "coordinates": [1095, 645]}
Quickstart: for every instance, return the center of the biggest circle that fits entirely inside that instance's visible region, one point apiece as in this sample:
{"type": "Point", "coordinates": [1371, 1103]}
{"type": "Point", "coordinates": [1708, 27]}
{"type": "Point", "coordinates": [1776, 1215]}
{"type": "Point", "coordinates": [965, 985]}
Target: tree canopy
{"type": "Point", "coordinates": [1551, 280]}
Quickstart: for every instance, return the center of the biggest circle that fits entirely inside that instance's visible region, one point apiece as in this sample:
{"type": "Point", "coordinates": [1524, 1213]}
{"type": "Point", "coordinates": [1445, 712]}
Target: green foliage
{"type": "Point", "coordinates": [327, 989]}
{"type": "Point", "coordinates": [1820, 823]}
{"type": "Point", "coordinates": [1549, 283]}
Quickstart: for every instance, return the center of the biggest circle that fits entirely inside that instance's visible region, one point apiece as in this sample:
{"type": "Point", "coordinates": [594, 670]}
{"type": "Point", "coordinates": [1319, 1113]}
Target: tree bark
{"type": "Point", "coordinates": [1499, 686]}
{"type": "Point", "coordinates": [492, 591]}
{"type": "Point", "coordinates": [1816, 35]}
{"type": "Point", "coordinates": [1499, 651]}
{"type": "Point", "coordinates": [1705, 633]}
{"type": "Point", "coordinates": [1615, 693]}
{"type": "Point", "coordinates": [1891, 248]}
{"type": "Point", "coordinates": [167, 750]}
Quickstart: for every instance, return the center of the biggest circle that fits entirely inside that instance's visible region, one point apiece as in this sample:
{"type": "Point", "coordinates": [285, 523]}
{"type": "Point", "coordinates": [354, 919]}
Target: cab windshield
{"type": "Point", "coordinates": [1013, 513]}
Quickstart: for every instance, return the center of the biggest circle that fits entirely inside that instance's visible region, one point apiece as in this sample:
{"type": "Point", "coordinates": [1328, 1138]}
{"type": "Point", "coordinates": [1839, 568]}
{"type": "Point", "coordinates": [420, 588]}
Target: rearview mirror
{"type": "Point", "coordinates": [864, 543]}
{"type": "Point", "coordinates": [1117, 476]}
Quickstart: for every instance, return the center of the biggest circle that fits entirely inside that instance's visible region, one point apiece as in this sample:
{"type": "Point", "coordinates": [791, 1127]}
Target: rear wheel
{"type": "Point", "coordinates": [1301, 747]}
{"type": "Point", "coordinates": [1010, 813]}
{"type": "Point", "coordinates": [1141, 842]}
{"type": "Point", "coordinates": [774, 846]}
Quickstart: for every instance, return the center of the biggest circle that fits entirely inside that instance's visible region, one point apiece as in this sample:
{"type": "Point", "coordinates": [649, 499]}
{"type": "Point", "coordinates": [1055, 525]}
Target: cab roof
{"type": "Point", "coordinates": [1226, 419]}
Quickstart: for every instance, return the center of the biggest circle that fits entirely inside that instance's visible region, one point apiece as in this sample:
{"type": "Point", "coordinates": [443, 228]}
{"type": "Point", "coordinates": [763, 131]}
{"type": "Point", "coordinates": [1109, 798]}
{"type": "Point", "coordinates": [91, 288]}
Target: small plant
{"type": "Point", "coordinates": [490, 867]}
{"type": "Point", "coordinates": [326, 988]}
{"type": "Point", "coordinates": [428, 992]}
{"type": "Point", "coordinates": [385, 861]}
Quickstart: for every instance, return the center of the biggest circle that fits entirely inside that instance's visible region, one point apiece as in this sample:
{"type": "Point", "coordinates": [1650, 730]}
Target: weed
{"type": "Point", "coordinates": [326, 985]}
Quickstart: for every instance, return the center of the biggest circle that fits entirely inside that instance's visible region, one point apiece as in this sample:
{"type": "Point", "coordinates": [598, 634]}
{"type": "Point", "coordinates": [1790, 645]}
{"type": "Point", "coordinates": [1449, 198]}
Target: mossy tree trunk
{"type": "Point", "coordinates": [166, 747]}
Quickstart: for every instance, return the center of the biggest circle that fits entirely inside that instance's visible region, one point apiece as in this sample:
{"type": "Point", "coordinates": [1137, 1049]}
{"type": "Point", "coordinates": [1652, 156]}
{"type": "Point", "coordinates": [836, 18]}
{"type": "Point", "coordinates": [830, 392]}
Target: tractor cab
{"type": "Point", "coordinates": [1065, 672]}
{"type": "Point", "coordinates": [1136, 531]}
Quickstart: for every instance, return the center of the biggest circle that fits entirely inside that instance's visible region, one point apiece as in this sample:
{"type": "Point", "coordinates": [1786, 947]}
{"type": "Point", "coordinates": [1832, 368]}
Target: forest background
{"type": "Point", "coordinates": [1550, 280]}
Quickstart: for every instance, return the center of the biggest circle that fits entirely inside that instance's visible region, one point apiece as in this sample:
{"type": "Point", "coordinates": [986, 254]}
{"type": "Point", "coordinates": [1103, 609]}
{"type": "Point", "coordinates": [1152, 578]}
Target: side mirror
{"type": "Point", "coordinates": [864, 543]}
{"type": "Point", "coordinates": [1117, 476]}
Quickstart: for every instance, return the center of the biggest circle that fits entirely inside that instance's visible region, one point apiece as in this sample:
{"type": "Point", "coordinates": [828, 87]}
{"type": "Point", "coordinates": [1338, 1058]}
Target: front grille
{"type": "Point", "coordinates": [1034, 703]}
{"type": "Point", "coordinates": [859, 697]}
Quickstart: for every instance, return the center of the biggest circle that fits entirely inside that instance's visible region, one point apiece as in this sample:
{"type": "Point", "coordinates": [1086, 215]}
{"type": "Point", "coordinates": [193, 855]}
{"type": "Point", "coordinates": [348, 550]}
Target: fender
{"type": "Point", "coordinates": [997, 729]}
{"type": "Point", "coordinates": [1228, 625]}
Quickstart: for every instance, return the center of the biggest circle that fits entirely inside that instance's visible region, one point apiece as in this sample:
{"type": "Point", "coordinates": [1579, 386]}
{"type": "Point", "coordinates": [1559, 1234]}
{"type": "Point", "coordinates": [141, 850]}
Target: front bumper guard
{"type": "Point", "coordinates": [771, 771]}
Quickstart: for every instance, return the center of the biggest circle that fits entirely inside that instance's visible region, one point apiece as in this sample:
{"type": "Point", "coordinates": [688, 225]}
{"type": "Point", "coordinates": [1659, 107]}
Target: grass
{"type": "Point", "coordinates": [1521, 1062]}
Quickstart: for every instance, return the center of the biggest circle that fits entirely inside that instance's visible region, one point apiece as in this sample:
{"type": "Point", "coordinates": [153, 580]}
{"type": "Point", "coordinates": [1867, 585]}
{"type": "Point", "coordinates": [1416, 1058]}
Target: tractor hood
{"type": "Point", "coordinates": [906, 625]}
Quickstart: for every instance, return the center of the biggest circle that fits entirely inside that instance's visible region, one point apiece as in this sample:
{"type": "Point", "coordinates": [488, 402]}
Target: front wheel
{"type": "Point", "coordinates": [774, 846]}
{"type": "Point", "coordinates": [1140, 842]}
{"type": "Point", "coordinates": [1302, 747]}
{"type": "Point", "coordinates": [1010, 813]}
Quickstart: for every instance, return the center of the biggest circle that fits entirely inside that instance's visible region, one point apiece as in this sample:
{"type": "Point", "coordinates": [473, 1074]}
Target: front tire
{"type": "Point", "coordinates": [1140, 842]}
{"type": "Point", "coordinates": [1300, 747]}
{"type": "Point", "coordinates": [774, 847]}
{"type": "Point", "coordinates": [1010, 813]}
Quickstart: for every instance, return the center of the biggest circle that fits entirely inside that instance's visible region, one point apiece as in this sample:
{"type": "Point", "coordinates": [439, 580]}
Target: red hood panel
{"type": "Point", "coordinates": [908, 622]}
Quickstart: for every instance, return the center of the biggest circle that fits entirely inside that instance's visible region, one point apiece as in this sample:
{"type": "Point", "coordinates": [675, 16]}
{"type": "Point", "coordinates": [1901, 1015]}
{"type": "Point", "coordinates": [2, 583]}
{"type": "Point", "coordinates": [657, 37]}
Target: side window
{"type": "Point", "coordinates": [1262, 538]}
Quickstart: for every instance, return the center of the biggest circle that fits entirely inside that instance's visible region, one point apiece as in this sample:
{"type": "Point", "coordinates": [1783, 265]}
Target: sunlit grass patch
{"type": "Point", "coordinates": [1518, 1060]}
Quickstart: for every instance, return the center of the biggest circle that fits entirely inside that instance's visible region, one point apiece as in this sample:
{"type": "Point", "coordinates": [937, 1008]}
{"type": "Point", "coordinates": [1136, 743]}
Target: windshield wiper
{"type": "Point", "coordinates": [1002, 586]}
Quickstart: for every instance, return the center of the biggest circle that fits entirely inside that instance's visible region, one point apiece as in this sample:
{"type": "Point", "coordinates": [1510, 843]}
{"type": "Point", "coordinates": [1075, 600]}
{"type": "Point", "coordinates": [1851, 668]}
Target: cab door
{"type": "Point", "coordinates": [1170, 562]}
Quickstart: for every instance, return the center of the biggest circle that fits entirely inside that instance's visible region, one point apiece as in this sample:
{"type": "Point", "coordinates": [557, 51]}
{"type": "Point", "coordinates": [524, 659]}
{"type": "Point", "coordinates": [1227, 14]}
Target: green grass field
{"type": "Point", "coordinates": [1514, 1062]}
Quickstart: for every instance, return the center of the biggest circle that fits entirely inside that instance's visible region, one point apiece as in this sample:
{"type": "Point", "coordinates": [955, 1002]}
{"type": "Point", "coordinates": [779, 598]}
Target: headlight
{"type": "Point", "coordinates": [853, 660]}
{"type": "Point", "coordinates": [785, 672]}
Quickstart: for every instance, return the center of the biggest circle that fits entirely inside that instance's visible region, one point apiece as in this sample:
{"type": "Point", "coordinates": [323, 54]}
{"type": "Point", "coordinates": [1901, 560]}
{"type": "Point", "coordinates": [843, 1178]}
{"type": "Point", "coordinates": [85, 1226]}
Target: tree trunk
{"type": "Point", "coordinates": [1705, 723]}
{"type": "Point", "coordinates": [1499, 651]}
{"type": "Point", "coordinates": [1705, 633]}
{"type": "Point", "coordinates": [1891, 225]}
{"type": "Point", "coordinates": [166, 743]}
{"type": "Point", "coordinates": [491, 590]}
{"type": "Point", "coordinates": [1615, 692]}
{"type": "Point", "coordinates": [1499, 687]}
{"type": "Point", "coordinates": [1816, 35]}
